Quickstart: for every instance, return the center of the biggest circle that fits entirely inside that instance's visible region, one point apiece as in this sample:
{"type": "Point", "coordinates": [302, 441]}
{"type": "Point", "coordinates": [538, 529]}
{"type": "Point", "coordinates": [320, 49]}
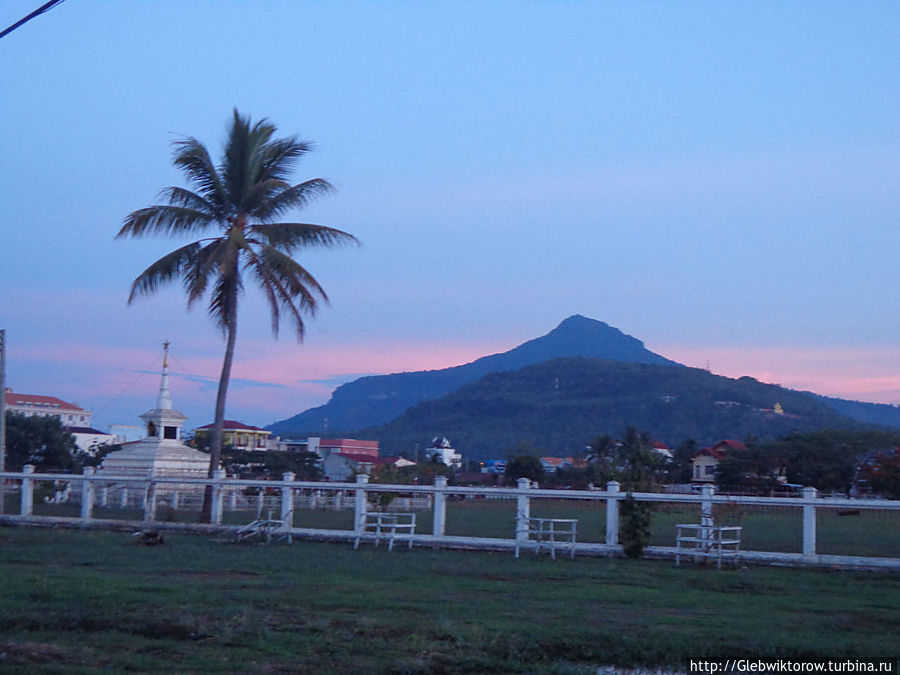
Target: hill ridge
{"type": "Point", "coordinates": [377, 399]}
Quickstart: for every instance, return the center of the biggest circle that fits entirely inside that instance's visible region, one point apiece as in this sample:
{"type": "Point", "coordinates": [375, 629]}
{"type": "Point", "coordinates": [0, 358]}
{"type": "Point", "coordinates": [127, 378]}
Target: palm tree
{"type": "Point", "coordinates": [237, 203]}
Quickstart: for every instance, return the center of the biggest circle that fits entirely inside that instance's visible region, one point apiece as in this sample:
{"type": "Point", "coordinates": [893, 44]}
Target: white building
{"type": "Point", "coordinates": [441, 451]}
{"type": "Point", "coordinates": [160, 452]}
{"type": "Point", "coordinates": [89, 439]}
{"type": "Point", "coordinates": [70, 414]}
{"type": "Point", "coordinates": [73, 417]}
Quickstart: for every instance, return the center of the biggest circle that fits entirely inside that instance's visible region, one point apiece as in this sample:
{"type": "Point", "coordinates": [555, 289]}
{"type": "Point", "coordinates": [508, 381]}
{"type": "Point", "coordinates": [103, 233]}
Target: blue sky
{"type": "Point", "coordinates": [718, 179]}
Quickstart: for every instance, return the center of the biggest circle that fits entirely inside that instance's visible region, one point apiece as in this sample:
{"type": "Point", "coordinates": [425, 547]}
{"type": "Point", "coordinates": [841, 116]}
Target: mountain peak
{"type": "Point", "coordinates": [579, 335]}
{"type": "Point", "coordinates": [381, 398]}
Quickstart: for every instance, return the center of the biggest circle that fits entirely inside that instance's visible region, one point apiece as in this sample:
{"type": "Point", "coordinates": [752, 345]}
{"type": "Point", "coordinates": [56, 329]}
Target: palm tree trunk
{"type": "Point", "coordinates": [215, 449]}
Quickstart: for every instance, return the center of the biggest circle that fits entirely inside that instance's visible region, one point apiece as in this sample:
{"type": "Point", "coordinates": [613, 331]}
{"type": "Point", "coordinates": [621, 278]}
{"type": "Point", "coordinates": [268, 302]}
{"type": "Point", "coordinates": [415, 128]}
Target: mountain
{"type": "Point", "coordinates": [883, 414]}
{"type": "Point", "coordinates": [378, 399]}
{"type": "Point", "coordinates": [559, 406]}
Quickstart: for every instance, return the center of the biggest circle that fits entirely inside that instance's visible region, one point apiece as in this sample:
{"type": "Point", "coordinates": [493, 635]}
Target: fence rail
{"type": "Point", "coordinates": [780, 530]}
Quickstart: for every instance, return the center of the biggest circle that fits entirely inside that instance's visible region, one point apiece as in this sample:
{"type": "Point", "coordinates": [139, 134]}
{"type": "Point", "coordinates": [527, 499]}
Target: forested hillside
{"type": "Point", "coordinates": [560, 405]}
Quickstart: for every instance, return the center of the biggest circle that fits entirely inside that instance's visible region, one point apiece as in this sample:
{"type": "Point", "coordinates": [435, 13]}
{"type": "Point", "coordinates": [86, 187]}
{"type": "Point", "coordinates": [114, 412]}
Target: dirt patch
{"type": "Point", "coordinates": [23, 653]}
{"type": "Point", "coordinates": [218, 575]}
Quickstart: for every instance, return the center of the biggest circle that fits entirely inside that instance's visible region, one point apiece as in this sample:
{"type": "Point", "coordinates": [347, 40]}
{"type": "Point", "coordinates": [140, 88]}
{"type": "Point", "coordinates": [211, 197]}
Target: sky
{"type": "Point", "coordinates": [717, 179]}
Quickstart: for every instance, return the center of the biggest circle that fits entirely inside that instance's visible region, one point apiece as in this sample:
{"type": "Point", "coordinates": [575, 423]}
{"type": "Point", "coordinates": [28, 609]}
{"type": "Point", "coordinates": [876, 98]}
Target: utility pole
{"type": "Point", "coordinates": [2, 417]}
{"type": "Point", "coordinates": [2, 400]}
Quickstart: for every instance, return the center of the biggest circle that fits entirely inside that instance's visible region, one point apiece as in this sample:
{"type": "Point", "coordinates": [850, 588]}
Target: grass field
{"type": "Point", "coordinates": [78, 601]}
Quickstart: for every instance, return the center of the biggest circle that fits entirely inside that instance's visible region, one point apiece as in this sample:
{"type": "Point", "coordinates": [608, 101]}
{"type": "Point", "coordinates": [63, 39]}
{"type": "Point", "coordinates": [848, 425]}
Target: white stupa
{"type": "Point", "coordinates": [160, 452]}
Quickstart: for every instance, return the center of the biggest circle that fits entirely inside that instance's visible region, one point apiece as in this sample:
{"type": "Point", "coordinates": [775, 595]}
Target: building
{"type": "Point", "coordinates": [236, 435]}
{"type": "Point", "coordinates": [662, 450]}
{"type": "Point", "coordinates": [126, 432]}
{"type": "Point", "coordinates": [324, 447]}
{"type": "Point", "coordinates": [89, 439]}
{"type": "Point", "coordinates": [493, 466]}
{"type": "Point", "coordinates": [73, 417]}
{"type": "Point", "coordinates": [440, 450]}
{"type": "Point", "coordinates": [161, 452]}
{"type": "Point", "coordinates": [70, 414]}
{"type": "Point", "coordinates": [707, 460]}
{"type": "Point", "coordinates": [340, 466]}
{"type": "Point", "coordinates": [553, 464]}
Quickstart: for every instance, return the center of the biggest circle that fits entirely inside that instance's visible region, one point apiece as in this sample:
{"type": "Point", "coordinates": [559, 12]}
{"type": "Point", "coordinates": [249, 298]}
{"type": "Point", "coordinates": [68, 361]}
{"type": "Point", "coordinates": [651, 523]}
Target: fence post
{"type": "Point", "coordinates": [440, 506]}
{"type": "Point", "coordinates": [26, 493]}
{"type": "Point", "coordinates": [150, 502]}
{"type": "Point", "coordinates": [706, 513]}
{"type": "Point", "coordinates": [612, 514]}
{"type": "Point", "coordinates": [87, 494]}
{"type": "Point", "coordinates": [361, 504]}
{"type": "Point", "coordinates": [218, 495]}
{"type": "Point", "coordinates": [809, 524]}
{"type": "Point", "coordinates": [287, 500]}
{"type": "Point", "coordinates": [706, 516]}
{"type": "Point", "coordinates": [523, 509]}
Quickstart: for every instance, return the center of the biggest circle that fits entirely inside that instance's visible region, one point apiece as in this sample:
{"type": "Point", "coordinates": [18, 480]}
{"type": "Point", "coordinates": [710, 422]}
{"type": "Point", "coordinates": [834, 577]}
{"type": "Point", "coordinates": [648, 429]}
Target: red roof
{"type": "Point", "coordinates": [15, 398]}
{"type": "Point", "coordinates": [232, 425]}
{"type": "Point", "coordinates": [719, 449]}
{"type": "Point", "coordinates": [556, 461]}
{"type": "Point", "coordinates": [729, 444]}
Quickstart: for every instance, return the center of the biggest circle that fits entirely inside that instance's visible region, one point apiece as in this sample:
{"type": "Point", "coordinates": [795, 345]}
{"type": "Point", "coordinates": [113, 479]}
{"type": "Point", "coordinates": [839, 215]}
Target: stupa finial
{"type": "Point", "coordinates": [164, 402]}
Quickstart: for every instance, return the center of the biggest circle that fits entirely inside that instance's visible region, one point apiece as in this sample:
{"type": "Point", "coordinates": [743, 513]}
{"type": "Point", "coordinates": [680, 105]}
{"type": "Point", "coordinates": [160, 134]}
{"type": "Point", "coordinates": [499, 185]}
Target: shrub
{"type": "Point", "coordinates": [635, 530]}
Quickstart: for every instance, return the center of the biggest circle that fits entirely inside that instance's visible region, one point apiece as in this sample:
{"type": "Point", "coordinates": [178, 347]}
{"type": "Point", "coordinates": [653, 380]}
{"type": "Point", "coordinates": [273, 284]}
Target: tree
{"type": "Point", "coordinates": [682, 470]}
{"type": "Point", "coordinates": [882, 473]}
{"type": "Point", "coordinates": [40, 441]}
{"type": "Point", "coordinates": [633, 462]}
{"type": "Point", "coordinates": [272, 464]}
{"type": "Point", "coordinates": [524, 466]}
{"type": "Point", "coordinates": [238, 203]}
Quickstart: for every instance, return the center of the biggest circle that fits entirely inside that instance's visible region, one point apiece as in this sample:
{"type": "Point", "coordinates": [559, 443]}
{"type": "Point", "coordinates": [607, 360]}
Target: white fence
{"type": "Point", "coordinates": [336, 511]}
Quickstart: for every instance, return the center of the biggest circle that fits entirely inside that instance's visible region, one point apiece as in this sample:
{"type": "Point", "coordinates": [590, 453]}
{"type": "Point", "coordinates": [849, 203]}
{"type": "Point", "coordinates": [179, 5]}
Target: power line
{"type": "Point", "coordinates": [40, 10]}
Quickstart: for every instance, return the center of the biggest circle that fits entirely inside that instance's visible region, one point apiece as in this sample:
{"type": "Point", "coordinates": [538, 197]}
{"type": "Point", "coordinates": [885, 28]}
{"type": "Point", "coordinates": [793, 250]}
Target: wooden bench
{"type": "Point", "coordinates": [708, 541]}
{"type": "Point", "coordinates": [381, 526]}
{"type": "Point", "coordinates": [550, 534]}
{"type": "Point", "coordinates": [265, 527]}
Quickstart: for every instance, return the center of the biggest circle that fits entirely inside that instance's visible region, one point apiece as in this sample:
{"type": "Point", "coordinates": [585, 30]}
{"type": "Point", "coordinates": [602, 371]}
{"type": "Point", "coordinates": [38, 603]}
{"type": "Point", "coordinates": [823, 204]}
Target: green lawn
{"type": "Point", "coordinates": [78, 601]}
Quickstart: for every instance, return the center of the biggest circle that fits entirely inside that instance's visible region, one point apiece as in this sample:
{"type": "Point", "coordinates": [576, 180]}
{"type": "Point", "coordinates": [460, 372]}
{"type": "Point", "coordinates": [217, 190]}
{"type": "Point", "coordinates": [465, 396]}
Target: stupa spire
{"type": "Point", "coordinates": [164, 402]}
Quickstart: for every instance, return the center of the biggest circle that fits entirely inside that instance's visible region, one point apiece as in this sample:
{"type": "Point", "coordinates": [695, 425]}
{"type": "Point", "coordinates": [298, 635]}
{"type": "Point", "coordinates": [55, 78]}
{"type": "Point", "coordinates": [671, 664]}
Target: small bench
{"type": "Point", "coordinates": [708, 541]}
{"type": "Point", "coordinates": [550, 534]}
{"type": "Point", "coordinates": [265, 527]}
{"type": "Point", "coordinates": [381, 526]}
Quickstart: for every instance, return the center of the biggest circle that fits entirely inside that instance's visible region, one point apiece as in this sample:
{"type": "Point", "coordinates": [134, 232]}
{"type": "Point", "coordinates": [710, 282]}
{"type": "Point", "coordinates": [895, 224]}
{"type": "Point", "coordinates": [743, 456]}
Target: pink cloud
{"type": "Point", "coordinates": [869, 374]}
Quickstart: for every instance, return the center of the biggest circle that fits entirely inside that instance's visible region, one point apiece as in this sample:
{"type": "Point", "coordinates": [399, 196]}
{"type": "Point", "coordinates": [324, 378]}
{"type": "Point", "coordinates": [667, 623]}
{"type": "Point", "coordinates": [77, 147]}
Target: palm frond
{"type": "Point", "coordinates": [244, 155]}
{"type": "Point", "coordinates": [229, 285]}
{"type": "Point", "coordinates": [163, 271]}
{"type": "Point", "coordinates": [203, 267]}
{"type": "Point", "coordinates": [177, 196]}
{"type": "Point", "coordinates": [294, 197]}
{"type": "Point", "coordinates": [223, 302]}
{"type": "Point", "coordinates": [164, 219]}
{"type": "Point", "coordinates": [280, 155]}
{"type": "Point", "coordinates": [288, 282]}
{"type": "Point", "coordinates": [192, 157]}
{"type": "Point", "coordinates": [288, 236]}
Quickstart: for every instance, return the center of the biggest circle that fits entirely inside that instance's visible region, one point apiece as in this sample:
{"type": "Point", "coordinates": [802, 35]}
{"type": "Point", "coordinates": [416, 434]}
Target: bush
{"type": "Point", "coordinates": [635, 529]}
